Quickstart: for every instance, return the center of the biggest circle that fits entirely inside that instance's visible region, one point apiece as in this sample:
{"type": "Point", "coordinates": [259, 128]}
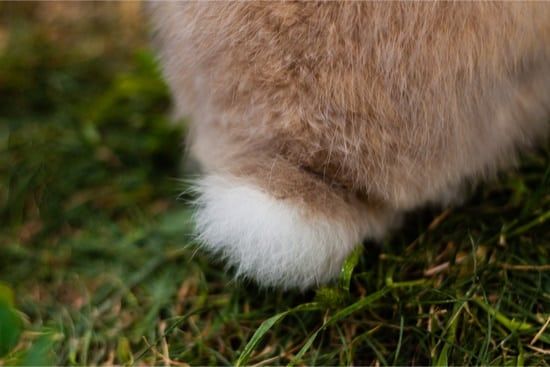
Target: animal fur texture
{"type": "Point", "coordinates": [319, 124]}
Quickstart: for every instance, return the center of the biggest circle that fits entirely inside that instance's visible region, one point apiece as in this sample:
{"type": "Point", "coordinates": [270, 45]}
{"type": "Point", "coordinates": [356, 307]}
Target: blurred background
{"type": "Point", "coordinates": [97, 263]}
{"type": "Point", "coordinates": [88, 168]}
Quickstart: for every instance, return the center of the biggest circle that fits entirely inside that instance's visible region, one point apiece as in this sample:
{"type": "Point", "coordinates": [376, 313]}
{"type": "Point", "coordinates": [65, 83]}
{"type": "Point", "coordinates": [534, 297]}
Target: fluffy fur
{"type": "Point", "coordinates": [276, 241]}
{"type": "Point", "coordinates": [381, 107]}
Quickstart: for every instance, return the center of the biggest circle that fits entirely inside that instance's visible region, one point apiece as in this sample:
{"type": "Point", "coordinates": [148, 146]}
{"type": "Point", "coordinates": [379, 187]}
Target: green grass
{"type": "Point", "coordinates": [98, 264]}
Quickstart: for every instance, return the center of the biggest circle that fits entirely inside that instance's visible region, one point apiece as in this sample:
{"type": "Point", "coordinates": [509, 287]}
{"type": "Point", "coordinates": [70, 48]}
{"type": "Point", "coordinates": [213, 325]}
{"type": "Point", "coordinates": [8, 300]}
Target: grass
{"type": "Point", "coordinates": [98, 264]}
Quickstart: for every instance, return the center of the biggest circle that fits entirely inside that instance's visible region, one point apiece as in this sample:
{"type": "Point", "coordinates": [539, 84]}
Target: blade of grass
{"type": "Point", "coordinates": [349, 265]}
{"type": "Point", "coordinates": [266, 326]}
{"type": "Point", "coordinates": [400, 340]}
{"type": "Point", "coordinates": [359, 305]}
{"type": "Point", "coordinates": [511, 325]}
{"type": "Point", "coordinates": [443, 358]}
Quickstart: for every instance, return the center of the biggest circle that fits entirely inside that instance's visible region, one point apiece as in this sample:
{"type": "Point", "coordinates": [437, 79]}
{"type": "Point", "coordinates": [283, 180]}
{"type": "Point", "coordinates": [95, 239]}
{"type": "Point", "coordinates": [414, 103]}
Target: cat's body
{"type": "Point", "coordinates": [318, 124]}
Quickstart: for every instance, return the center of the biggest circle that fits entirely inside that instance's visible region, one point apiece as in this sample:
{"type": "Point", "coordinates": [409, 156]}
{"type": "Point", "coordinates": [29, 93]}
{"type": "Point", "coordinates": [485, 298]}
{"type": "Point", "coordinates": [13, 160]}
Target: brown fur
{"type": "Point", "coordinates": [391, 104]}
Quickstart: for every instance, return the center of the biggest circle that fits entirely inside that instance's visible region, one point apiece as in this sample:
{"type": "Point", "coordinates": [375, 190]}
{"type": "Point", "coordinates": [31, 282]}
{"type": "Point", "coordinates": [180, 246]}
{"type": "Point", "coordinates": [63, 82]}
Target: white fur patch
{"type": "Point", "coordinates": [274, 242]}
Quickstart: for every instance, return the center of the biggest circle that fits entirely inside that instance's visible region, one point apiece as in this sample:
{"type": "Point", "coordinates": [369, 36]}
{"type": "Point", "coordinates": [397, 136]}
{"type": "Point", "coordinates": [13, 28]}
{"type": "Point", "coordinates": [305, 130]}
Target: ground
{"type": "Point", "coordinates": [98, 263]}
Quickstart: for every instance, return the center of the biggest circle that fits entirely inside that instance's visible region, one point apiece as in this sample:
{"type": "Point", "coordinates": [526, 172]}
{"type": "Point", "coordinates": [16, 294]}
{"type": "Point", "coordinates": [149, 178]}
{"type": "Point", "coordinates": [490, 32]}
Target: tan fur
{"type": "Point", "coordinates": [383, 105]}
